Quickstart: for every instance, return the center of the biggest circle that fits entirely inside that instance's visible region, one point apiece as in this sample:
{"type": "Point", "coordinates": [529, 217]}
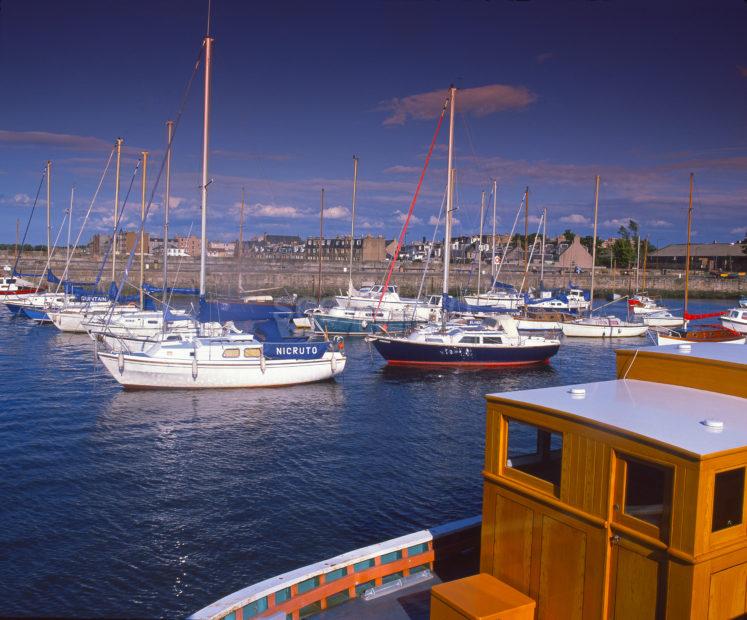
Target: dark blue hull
{"type": "Point", "coordinates": [405, 353]}
{"type": "Point", "coordinates": [15, 309]}
{"type": "Point", "coordinates": [36, 314]}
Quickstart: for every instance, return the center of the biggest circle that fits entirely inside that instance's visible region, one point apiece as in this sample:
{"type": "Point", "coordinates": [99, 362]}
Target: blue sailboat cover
{"type": "Point", "coordinates": [238, 311]}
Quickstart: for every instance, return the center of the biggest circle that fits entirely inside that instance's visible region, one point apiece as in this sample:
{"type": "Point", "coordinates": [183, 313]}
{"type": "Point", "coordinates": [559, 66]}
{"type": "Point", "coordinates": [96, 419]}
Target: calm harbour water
{"type": "Point", "coordinates": [154, 504]}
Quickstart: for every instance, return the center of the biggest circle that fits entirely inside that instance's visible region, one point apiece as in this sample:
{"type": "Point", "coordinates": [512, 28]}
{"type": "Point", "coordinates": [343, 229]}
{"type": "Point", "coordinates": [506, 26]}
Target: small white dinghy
{"type": "Point", "coordinates": [603, 327]}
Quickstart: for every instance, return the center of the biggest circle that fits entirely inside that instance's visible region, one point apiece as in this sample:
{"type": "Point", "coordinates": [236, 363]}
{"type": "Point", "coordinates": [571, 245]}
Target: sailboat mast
{"type": "Point", "coordinates": [204, 186]}
{"type": "Point", "coordinates": [495, 205]}
{"type": "Point", "coordinates": [166, 207]}
{"type": "Point", "coordinates": [321, 244]}
{"type": "Point", "coordinates": [241, 241]}
{"type": "Point", "coordinates": [479, 246]}
{"type": "Point", "coordinates": [526, 228]}
{"type": "Point", "coordinates": [116, 207]}
{"type": "Point", "coordinates": [142, 228]}
{"type": "Point", "coordinates": [689, 227]}
{"type": "Point", "coordinates": [594, 244]}
{"type": "Point", "coordinates": [49, 210]}
{"type": "Point", "coordinates": [352, 225]}
{"type": "Point", "coordinates": [637, 260]}
{"type": "Point", "coordinates": [542, 249]}
{"type": "Point", "coordinates": [449, 193]}
{"type": "Point", "coordinates": [69, 220]}
{"type": "Point", "coordinates": [645, 260]}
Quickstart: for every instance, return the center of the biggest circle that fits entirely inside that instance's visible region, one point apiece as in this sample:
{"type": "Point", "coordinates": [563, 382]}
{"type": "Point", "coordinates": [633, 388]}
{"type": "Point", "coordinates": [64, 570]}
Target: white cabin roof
{"type": "Point", "coordinates": [666, 414]}
{"type": "Point", "coordinates": [718, 351]}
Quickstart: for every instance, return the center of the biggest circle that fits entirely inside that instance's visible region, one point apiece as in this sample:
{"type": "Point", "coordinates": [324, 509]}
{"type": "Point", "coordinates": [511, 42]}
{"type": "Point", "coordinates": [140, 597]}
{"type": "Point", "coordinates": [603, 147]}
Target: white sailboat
{"type": "Point", "coordinates": [600, 327]}
{"type": "Point", "coordinates": [231, 361]}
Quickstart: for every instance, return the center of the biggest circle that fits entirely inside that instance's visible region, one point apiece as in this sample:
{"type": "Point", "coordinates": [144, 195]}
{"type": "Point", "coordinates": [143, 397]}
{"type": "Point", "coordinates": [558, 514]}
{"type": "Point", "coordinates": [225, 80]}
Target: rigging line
{"type": "Point", "coordinates": [51, 254]}
{"type": "Point", "coordinates": [531, 253]}
{"type": "Point", "coordinates": [508, 241]}
{"type": "Point", "coordinates": [117, 223]}
{"type": "Point", "coordinates": [28, 223]}
{"type": "Point", "coordinates": [177, 120]}
{"type": "Point", "coordinates": [412, 204]}
{"type": "Point", "coordinates": [430, 249]}
{"type": "Point", "coordinates": [178, 268]}
{"type": "Point", "coordinates": [85, 219]}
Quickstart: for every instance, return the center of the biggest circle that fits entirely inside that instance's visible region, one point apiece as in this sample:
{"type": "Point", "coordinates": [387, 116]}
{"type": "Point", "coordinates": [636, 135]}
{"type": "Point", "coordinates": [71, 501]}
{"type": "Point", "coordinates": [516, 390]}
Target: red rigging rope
{"type": "Point", "coordinates": [412, 205]}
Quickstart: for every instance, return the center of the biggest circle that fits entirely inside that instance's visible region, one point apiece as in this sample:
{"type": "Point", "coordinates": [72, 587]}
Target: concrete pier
{"type": "Point", "coordinates": [280, 276]}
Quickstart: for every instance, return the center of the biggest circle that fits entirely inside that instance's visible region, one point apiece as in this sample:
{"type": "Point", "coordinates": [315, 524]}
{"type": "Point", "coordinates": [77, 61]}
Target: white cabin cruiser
{"type": "Point", "coordinates": [736, 319]}
{"type": "Point", "coordinates": [368, 297]}
{"type": "Point", "coordinates": [603, 327]}
{"type": "Point", "coordinates": [233, 361]}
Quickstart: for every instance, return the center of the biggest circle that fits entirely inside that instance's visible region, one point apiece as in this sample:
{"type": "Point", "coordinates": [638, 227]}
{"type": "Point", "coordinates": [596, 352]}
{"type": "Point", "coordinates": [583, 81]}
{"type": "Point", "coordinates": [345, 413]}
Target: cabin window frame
{"type": "Point", "coordinates": [646, 528]}
{"type": "Point", "coordinates": [522, 477]}
{"type": "Point", "coordinates": [732, 532]}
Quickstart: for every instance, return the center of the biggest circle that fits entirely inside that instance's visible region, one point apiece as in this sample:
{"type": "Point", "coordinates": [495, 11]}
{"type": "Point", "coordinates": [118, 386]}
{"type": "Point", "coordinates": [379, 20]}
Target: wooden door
{"type": "Point", "coordinates": [637, 580]}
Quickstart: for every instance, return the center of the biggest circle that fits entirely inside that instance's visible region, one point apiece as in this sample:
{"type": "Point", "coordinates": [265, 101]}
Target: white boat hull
{"type": "Point", "coordinates": [653, 321]}
{"type": "Point", "coordinates": [139, 371]}
{"type": "Point", "coordinates": [537, 326]}
{"type": "Point", "coordinates": [503, 302]}
{"type": "Point", "coordinates": [737, 326]}
{"type": "Point", "coordinates": [578, 330]}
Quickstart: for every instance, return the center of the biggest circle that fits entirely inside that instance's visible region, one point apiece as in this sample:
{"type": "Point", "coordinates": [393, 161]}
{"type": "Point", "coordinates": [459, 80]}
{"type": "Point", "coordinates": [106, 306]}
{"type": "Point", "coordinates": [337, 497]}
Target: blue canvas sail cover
{"type": "Point", "coordinates": [222, 311]}
{"type": "Point", "coordinates": [503, 286]}
{"type": "Point", "coordinates": [452, 304]}
{"type": "Point", "coordinates": [305, 349]}
{"type": "Point", "coordinates": [157, 290]}
{"type": "Point", "coordinates": [277, 327]}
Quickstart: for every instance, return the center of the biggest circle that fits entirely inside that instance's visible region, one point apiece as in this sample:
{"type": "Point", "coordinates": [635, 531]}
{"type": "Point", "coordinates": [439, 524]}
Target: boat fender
{"type": "Point", "coordinates": [364, 324]}
{"type": "Point", "coordinates": [194, 369]}
{"type": "Point", "coordinates": [121, 362]}
{"type": "Point", "coordinates": [340, 344]}
{"type": "Point", "coordinates": [333, 363]}
{"type": "Point", "coordinates": [262, 362]}
{"type": "Point", "coordinates": [95, 351]}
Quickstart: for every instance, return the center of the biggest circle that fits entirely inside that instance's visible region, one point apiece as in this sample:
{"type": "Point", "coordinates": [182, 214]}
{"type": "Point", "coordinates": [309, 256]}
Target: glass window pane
{"type": "Point", "coordinates": [335, 574]}
{"type": "Point", "coordinates": [417, 549]}
{"type": "Point", "coordinates": [728, 496]}
{"type": "Point", "coordinates": [535, 451]}
{"type": "Point", "coordinates": [308, 584]}
{"type": "Point", "coordinates": [337, 599]}
{"type": "Point", "coordinates": [310, 610]}
{"type": "Point", "coordinates": [282, 595]}
{"type": "Point", "coordinates": [363, 565]}
{"type": "Point", "coordinates": [392, 577]}
{"type": "Point", "coordinates": [255, 607]}
{"type": "Point", "coordinates": [646, 491]}
{"type": "Point", "coordinates": [392, 556]}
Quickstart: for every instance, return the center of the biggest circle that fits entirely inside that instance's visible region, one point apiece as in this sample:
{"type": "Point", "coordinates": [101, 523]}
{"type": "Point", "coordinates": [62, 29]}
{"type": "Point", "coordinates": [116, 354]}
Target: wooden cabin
{"type": "Point", "coordinates": [623, 498]}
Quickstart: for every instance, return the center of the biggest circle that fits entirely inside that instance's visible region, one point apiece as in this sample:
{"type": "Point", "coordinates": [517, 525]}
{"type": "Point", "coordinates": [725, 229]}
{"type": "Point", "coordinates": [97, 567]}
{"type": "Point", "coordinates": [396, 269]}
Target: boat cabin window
{"type": "Point", "coordinates": [173, 338]}
{"type": "Point", "coordinates": [535, 451]}
{"type": "Point", "coordinates": [252, 352]}
{"type": "Point", "coordinates": [152, 322]}
{"type": "Point", "coordinates": [728, 497]}
{"type": "Point", "coordinates": [647, 491]}
{"type": "Point", "coordinates": [430, 339]}
{"type": "Point", "coordinates": [230, 353]}
{"type": "Point", "coordinates": [492, 340]}
{"type": "Point", "coordinates": [470, 340]}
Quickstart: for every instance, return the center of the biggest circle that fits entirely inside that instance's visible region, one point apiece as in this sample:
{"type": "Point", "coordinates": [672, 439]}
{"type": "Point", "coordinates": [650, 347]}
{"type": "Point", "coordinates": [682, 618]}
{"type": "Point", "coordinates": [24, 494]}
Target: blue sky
{"type": "Point", "coordinates": [551, 93]}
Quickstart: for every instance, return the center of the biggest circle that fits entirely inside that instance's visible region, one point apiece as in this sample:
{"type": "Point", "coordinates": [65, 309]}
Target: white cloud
{"type": "Point", "coordinates": [617, 222]}
{"type": "Point", "coordinates": [263, 210]}
{"type": "Point", "coordinates": [481, 101]}
{"type": "Point", "coordinates": [401, 216]}
{"type": "Point", "coordinates": [575, 218]}
{"type": "Point", "coordinates": [433, 221]}
{"type": "Point", "coordinates": [402, 170]}
{"type": "Point", "coordinates": [739, 230]}
{"type": "Point", "coordinates": [659, 223]}
{"type": "Point", "coordinates": [367, 224]}
{"type": "Point", "coordinates": [337, 213]}
{"type": "Point", "coordinates": [175, 201]}
{"type": "Point", "coordinates": [22, 199]}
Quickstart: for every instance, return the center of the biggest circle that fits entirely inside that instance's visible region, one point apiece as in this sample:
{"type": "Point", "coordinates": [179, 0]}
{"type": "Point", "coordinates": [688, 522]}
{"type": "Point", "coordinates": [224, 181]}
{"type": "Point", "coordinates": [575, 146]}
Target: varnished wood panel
{"type": "Point", "coordinates": [513, 543]}
{"type": "Point", "coordinates": [561, 587]}
{"type": "Point", "coordinates": [635, 583]}
{"type": "Point", "coordinates": [709, 375]}
{"type": "Point", "coordinates": [585, 475]}
{"type": "Point", "coordinates": [728, 593]}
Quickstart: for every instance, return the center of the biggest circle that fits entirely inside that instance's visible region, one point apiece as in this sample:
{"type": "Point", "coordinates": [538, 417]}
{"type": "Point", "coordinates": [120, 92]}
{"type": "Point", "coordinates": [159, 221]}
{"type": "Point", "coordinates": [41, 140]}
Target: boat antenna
{"type": "Point", "coordinates": [166, 207]}
{"type": "Point", "coordinates": [321, 244]}
{"type": "Point", "coordinates": [207, 30]}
